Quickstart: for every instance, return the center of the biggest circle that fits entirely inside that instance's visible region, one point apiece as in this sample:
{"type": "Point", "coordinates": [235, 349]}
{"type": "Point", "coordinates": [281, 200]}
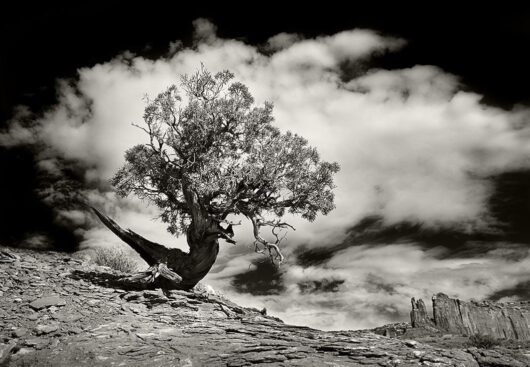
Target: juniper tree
{"type": "Point", "coordinates": [213, 154]}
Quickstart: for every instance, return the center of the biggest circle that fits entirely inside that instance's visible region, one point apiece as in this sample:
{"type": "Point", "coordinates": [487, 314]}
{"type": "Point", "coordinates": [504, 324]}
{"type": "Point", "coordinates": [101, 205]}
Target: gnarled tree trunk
{"type": "Point", "coordinates": [176, 269]}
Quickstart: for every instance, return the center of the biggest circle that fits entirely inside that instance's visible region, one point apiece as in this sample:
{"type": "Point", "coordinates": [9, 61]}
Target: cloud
{"type": "Point", "coordinates": [204, 31]}
{"type": "Point", "coordinates": [518, 292]}
{"type": "Point", "coordinates": [313, 59]}
{"type": "Point", "coordinates": [20, 129]}
{"type": "Point", "coordinates": [282, 41]}
{"type": "Point", "coordinates": [366, 286]}
{"type": "Point", "coordinates": [412, 143]}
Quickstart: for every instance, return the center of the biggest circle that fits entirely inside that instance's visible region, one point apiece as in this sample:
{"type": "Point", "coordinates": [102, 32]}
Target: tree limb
{"type": "Point", "coordinates": [273, 248]}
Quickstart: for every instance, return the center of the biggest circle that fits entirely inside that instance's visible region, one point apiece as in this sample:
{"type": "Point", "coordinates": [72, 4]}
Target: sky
{"type": "Point", "coordinates": [426, 116]}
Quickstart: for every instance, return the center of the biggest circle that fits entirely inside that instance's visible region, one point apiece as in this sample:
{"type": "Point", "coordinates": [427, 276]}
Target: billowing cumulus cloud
{"type": "Point", "coordinates": [413, 145]}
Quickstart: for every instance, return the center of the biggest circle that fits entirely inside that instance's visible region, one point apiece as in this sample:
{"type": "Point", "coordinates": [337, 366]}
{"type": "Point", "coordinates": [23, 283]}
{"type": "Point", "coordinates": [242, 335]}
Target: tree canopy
{"type": "Point", "coordinates": [212, 152]}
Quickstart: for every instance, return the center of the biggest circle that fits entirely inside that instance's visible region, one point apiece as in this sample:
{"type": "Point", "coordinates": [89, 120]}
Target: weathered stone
{"type": "Point", "coordinates": [24, 351]}
{"type": "Point", "coordinates": [47, 302]}
{"type": "Point", "coordinates": [37, 343]}
{"type": "Point", "coordinates": [7, 257]}
{"type": "Point", "coordinates": [18, 333]}
{"type": "Point", "coordinates": [418, 314]}
{"type": "Point", "coordinates": [67, 317]}
{"type": "Point", "coordinates": [492, 358]}
{"type": "Point", "coordinates": [145, 336]}
{"type": "Point", "coordinates": [75, 330]}
{"type": "Point", "coordinates": [45, 329]}
{"type": "Point", "coordinates": [499, 320]}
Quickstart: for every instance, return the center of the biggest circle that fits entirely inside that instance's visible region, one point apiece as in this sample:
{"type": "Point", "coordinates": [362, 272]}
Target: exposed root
{"type": "Point", "coordinates": [154, 272]}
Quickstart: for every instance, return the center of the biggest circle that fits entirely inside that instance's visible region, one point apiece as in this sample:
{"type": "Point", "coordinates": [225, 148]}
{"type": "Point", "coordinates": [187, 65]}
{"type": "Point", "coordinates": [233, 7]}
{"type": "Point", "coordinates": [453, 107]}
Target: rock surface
{"type": "Point", "coordinates": [44, 302]}
{"type": "Point", "coordinates": [58, 311]}
{"type": "Point", "coordinates": [498, 320]}
{"type": "Point", "coordinates": [419, 316]}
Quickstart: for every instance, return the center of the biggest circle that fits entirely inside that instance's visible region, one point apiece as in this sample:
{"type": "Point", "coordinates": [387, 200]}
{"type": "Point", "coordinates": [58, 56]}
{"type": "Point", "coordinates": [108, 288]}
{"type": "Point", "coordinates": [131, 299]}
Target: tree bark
{"type": "Point", "coordinates": [188, 268]}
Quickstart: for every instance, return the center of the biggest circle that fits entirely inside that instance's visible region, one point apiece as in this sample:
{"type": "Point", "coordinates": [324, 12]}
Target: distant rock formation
{"type": "Point", "coordinates": [418, 314]}
{"type": "Point", "coordinates": [500, 320]}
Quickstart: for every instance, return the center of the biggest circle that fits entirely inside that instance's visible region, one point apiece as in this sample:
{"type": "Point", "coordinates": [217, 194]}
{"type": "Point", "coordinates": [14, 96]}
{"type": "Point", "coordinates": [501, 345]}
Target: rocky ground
{"type": "Point", "coordinates": [59, 311]}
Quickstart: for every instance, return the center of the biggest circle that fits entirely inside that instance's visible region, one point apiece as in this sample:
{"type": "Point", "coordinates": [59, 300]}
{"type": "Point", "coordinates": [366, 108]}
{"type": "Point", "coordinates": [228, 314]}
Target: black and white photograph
{"type": "Point", "coordinates": [266, 184]}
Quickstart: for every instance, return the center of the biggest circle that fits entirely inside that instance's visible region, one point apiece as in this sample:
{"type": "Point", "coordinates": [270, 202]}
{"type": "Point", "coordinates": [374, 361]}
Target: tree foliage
{"type": "Point", "coordinates": [213, 153]}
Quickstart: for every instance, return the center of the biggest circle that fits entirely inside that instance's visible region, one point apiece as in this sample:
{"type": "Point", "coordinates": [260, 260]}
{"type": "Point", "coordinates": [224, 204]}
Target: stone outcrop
{"type": "Point", "coordinates": [59, 311]}
{"type": "Point", "coordinates": [418, 315]}
{"type": "Point", "coordinates": [499, 320]}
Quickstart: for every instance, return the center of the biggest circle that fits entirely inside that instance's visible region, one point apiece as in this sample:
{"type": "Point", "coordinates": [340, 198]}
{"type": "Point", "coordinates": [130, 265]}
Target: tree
{"type": "Point", "coordinates": [212, 153]}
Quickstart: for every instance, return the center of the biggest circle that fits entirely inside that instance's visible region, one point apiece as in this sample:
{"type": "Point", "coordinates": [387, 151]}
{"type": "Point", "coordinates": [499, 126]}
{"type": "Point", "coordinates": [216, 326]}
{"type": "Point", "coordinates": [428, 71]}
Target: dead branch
{"type": "Point", "coordinates": [272, 248]}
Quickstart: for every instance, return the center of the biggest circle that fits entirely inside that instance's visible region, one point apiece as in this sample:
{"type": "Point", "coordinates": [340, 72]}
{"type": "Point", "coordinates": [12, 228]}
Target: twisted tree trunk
{"type": "Point", "coordinates": [172, 267]}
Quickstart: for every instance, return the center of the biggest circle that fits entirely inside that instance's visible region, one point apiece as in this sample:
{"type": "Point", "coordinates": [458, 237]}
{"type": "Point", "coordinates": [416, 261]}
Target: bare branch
{"type": "Point", "coordinates": [141, 128]}
{"type": "Point", "coordinates": [276, 224]}
{"type": "Point", "coordinates": [273, 248]}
